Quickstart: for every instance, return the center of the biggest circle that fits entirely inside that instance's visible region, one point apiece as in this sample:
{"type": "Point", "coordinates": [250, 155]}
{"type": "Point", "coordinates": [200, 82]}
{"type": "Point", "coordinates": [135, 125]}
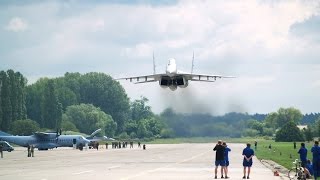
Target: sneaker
{"type": "Point", "coordinates": [248, 177]}
{"type": "Point", "coordinates": [222, 177]}
{"type": "Point", "coordinates": [243, 177]}
{"type": "Point", "coordinates": [215, 177]}
{"type": "Point", "coordinates": [226, 177]}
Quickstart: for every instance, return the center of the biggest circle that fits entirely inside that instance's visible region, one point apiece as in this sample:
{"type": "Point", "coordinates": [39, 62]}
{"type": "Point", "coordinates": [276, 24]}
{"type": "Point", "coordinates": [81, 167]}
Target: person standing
{"type": "Point", "coordinates": [294, 145]}
{"type": "Point", "coordinates": [303, 156]}
{"type": "Point", "coordinates": [226, 158]}
{"type": "Point", "coordinates": [220, 161]}
{"type": "Point", "coordinates": [1, 150]}
{"type": "Point", "coordinates": [32, 150]}
{"type": "Point", "coordinates": [247, 153]}
{"type": "Point", "coordinates": [316, 159]}
{"type": "Point", "coordinates": [29, 153]}
{"type": "Point", "coordinates": [255, 145]}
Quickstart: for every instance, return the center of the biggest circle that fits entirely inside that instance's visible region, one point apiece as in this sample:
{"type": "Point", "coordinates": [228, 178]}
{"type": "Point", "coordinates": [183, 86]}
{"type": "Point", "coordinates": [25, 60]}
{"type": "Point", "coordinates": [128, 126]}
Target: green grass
{"type": "Point", "coordinates": [204, 140]}
{"type": "Point", "coordinates": [262, 152]}
{"type": "Point", "coordinates": [285, 148]}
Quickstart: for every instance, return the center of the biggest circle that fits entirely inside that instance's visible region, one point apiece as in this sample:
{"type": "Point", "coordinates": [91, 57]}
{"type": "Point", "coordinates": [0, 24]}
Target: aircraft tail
{"type": "Point", "coordinates": [94, 133]}
{"type": "Point", "coordinates": [4, 134]}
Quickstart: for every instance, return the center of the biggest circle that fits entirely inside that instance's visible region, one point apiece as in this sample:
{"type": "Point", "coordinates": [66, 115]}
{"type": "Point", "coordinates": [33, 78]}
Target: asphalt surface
{"type": "Point", "coordinates": [163, 162]}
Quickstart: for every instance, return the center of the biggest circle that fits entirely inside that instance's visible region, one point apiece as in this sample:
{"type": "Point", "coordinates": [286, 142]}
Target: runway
{"type": "Point", "coordinates": [158, 161]}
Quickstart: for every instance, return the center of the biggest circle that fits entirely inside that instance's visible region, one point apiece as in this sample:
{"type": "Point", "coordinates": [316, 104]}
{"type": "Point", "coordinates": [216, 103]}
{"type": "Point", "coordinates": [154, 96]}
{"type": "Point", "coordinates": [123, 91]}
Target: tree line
{"type": "Point", "coordinates": [12, 98]}
{"type": "Point", "coordinates": [86, 102]}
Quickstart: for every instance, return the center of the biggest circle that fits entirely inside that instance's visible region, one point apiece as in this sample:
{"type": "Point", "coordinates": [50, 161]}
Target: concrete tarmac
{"type": "Point", "coordinates": [158, 161]}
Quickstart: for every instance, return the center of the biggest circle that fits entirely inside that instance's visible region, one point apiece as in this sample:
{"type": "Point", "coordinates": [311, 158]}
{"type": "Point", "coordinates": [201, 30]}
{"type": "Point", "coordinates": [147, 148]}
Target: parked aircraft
{"type": "Point", "coordinates": [93, 137]}
{"type": "Point", "coordinates": [173, 78]}
{"type": "Point", "coordinates": [45, 141]}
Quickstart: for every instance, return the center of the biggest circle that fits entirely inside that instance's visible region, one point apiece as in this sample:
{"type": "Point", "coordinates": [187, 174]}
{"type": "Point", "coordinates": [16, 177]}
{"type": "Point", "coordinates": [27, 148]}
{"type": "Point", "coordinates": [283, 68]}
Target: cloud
{"type": "Point", "coordinates": [17, 24]}
{"type": "Point", "coordinates": [272, 47]}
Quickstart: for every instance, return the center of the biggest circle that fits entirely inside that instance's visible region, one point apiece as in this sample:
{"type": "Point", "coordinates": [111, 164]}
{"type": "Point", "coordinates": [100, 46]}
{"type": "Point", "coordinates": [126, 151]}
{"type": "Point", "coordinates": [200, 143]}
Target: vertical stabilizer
{"type": "Point", "coordinates": [192, 63]}
{"type": "Point", "coordinates": [154, 64]}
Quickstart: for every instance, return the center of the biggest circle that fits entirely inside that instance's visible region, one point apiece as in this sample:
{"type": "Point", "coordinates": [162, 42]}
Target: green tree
{"type": "Point", "coordinates": [89, 118]}
{"type": "Point", "coordinates": [51, 108]}
{"type": "Point", "coordinates": [140, 109]}
{"type": "Point", "coordinates": [256, 125]}
{"type": "Point", "coordinates": [102, 91]}
{"type": "Point", "coordinates": [6, 102]}
{"type": "Point", "coordinates": [25, 127]}
{"type": "Point", "coordinates": [67, 125]}
{"type": "Point", "coordinates": [250, 133]}
{"type": "Point", "coordinates": [308, 134]}
{"type": "Point", "coordinates": [283, 116]}
{"type": "Point", "coordinates": [289, 132]}
{"type": "Point", "coordinates": [142, 129]}
{"type": "Point", "coordinates": [167, 133]}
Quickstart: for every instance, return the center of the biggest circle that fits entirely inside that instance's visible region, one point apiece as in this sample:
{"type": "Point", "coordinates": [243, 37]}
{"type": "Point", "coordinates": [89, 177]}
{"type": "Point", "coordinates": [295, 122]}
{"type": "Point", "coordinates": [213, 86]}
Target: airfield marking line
{"type": "Point", "coordinates": [82, 172]}
{"type": "Point", "coordinates": [113, 167]}
{"type": "Point", "coordinates": [163, 167]}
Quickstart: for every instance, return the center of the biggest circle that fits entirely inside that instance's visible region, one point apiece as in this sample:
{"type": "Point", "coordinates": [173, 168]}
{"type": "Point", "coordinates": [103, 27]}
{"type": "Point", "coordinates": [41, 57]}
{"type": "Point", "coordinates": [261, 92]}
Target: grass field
{"type": "Point", "coordinates": [282, 153]}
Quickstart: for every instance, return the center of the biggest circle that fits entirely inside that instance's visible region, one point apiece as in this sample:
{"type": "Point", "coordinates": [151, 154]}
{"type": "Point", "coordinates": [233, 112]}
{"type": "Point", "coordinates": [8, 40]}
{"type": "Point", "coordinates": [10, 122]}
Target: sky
{"type": "Point", "coordinates": [272, 47]}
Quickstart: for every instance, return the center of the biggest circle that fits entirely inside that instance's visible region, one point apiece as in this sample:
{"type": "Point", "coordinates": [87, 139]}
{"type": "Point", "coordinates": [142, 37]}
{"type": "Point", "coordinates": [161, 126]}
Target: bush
{"type": "Point", "coordinates": [24, 127]}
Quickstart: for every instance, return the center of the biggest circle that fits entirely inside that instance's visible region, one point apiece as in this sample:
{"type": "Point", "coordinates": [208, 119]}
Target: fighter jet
{"type": "Point", "coordinates": [174, 78]}
{"type": "Point", "coordinates": [45, 141]}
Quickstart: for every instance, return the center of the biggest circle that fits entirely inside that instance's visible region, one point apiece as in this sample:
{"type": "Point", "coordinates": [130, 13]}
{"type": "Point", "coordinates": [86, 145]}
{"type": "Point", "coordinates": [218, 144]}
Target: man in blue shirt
{"type": "Point", "coordinates": [303, 154]}
{"type": "Point", "coordinates": [316, 159]}
{"type": "Point", "coordinates": [226, 158]}
{"type": "Point", "coordinates": [247, 153]}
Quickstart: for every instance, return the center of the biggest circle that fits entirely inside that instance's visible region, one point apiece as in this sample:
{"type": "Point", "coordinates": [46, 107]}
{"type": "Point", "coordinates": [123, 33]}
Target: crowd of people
{"type": "Point", "coordinates": [311, 167]}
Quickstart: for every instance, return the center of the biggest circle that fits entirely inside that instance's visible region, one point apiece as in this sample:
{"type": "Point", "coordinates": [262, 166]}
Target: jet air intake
{"type": "Point", "coordinates": [173, 82]}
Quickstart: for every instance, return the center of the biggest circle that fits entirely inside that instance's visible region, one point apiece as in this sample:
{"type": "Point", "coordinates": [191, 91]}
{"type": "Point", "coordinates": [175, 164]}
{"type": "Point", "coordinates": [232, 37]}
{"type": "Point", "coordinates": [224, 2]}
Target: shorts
{"type": "Point", "coordinates": [227, 163]}
{"type": "Point", "coordinates": [247, 163]}
{"type": "Point", "coordinates": [220, 163]}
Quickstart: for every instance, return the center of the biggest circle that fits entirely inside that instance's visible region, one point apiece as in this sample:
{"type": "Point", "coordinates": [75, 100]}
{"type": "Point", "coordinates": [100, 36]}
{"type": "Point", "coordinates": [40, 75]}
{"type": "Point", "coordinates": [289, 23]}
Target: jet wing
{"type": "Point", "coordinates": [143, 79]}
{"type": "Point", "coordinates": [202, 77]}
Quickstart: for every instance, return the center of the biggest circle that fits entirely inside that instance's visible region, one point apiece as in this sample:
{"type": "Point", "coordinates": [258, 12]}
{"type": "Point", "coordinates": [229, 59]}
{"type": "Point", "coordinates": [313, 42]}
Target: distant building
{"type": "Point", "coordinates": [301, 127]}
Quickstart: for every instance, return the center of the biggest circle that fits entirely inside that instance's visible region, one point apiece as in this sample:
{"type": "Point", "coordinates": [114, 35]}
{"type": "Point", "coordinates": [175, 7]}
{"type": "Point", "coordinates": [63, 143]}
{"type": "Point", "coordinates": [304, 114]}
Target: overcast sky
{"type": "Point", "coordinates": [273, 47]}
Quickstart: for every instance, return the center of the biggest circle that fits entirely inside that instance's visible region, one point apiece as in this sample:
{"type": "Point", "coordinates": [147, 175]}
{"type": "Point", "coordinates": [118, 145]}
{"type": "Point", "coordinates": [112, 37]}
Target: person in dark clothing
{"type": "Point", "coordinates": [29, 153]}
{"type": "Point", "coordinates": [97, 145]}
{"type": "Point", "coordinates": [294, 145]}
{"type": "Point", "coordinates": [303, 156]}
{"type": "Point", "coordinates": [255, 145]}
{"type": "Point", "coordinates": [1, 150]}
{"type": "Point", "coordinates": [220, 161]}
{"type": "Point", "coordinates": [32, 150]}
{"type": "Point", "coordinates": [106, 145]}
